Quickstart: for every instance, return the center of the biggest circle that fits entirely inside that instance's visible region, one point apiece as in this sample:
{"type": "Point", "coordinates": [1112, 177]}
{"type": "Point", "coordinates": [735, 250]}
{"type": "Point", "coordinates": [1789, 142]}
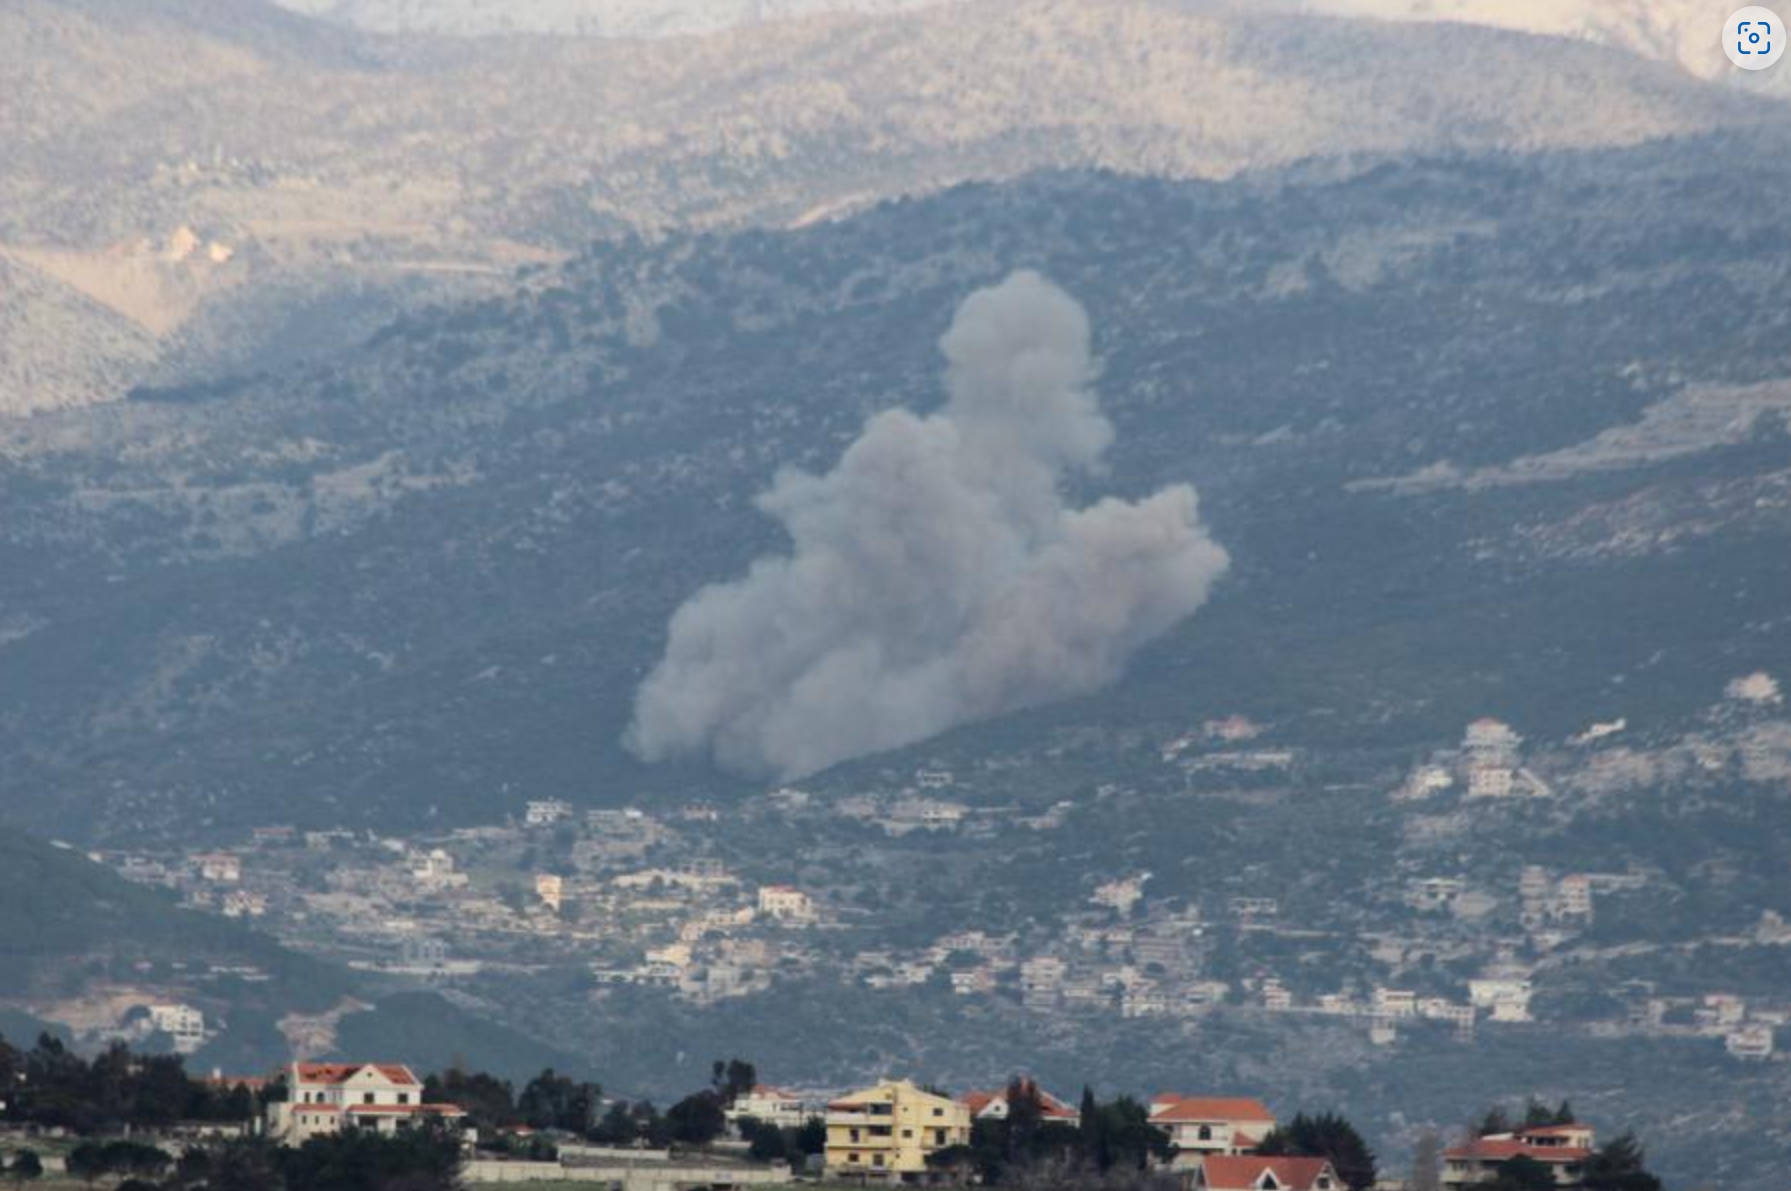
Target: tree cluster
{"type": "Point", "coordinates": [51, 1086]}
{"type": "Point", "coordinates": [25, 1167]}
{"type": "Point", "coordinates": [1325, 1135]}
{"type": "Point", "coordinates": [548, 1101]}
{"type": "Point", "coordinates": [1113, 1141]}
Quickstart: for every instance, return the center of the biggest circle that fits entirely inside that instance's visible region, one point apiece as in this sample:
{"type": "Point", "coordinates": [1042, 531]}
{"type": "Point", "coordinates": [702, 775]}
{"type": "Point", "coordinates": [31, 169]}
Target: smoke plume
{"type": "Point", "coordinates": [936, 574]}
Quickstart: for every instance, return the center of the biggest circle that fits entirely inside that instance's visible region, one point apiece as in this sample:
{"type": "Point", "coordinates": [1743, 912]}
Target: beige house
{"type": "Point", "coordinates": [326, 1098]}
{"type": "Point", "coordinates": [785, 903]}
{"type": "Point", "coordinates": [888, 1132]}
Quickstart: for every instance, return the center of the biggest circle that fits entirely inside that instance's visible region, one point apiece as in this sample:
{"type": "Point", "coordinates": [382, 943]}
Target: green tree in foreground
{"type": "Point", "coordinates": [424, 1158]}
{"type": "Point", "coordinates": [553, 1101]}
{"type": "Point", "coordinates": [1326, 1135]}
{"type": "Point", "coordinates": [26, 1167]}
{"type": "Point", "coordinates": [1618, 1166]}
{"type": "Point", "coordinates": [87, 1162]}
{"type": "Point", "coordinates": [696, 1120]}
{"type": "Point", "coordinates": [732, 1080]}
{"type": "Point", "coordinates": [1522, 1173]}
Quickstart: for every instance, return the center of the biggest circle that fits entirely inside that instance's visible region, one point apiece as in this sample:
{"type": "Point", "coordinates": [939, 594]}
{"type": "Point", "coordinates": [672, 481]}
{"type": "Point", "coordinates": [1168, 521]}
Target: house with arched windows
{"type": "Point", "coordinates": [1198, 1126]}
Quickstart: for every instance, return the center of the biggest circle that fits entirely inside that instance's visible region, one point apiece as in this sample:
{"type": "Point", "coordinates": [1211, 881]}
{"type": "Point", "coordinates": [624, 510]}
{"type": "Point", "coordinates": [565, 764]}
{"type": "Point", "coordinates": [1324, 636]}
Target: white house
{"type": "Point", "coordinates": [218, 867]}
{"type": "Point", "coordinates": [182, 1023]}
{"type": "Point", "coordinates": [545, 812]}
{"type": "Point", "coordinates": [1752, 1041]}
{"type": "Point", "coordinates": [1199, 1126]}
{"type": "Point", "coordinates": [774, 1106]}
{"type": "Point", "coordinates": [325, 1098]}
{"type": "Point", "coordinates": [786, 903]}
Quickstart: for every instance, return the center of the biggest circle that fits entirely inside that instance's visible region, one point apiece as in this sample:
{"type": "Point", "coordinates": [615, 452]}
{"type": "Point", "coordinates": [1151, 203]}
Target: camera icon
{"type": "Point", "coordinates": [1754, 38]}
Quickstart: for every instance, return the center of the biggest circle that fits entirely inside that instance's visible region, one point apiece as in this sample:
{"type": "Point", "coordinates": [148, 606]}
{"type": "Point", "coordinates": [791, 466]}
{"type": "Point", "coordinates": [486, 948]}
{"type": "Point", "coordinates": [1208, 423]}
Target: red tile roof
{"type": "Point", "coordinates": [1050, 1107]}
{"type": "Point", "coordinates": [1209, 1108]}
{"type": "Point", "coordinates": [343, 1072]}
{"type": "Point", "coordinates": [1504, 1147]}
{"type": "Point", "coordinates": [1223, 1173]}
{"type": "Point", "coordinates": [1556, 1130]}
{"type": "Point", "coordinates": [766, 1091]}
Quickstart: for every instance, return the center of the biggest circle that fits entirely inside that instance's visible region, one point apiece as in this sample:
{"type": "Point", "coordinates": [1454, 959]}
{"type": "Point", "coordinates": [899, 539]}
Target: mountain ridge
{"type": "Point", "coordinates": [334, 185]}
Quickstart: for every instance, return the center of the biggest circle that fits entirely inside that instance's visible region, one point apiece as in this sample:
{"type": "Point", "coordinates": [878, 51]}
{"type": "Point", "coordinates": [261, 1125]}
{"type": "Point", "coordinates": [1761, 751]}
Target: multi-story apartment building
{"type": "Point", "coordinates": [326, 1098]}
{"type": "Point", "coordinates": [888, 1132]}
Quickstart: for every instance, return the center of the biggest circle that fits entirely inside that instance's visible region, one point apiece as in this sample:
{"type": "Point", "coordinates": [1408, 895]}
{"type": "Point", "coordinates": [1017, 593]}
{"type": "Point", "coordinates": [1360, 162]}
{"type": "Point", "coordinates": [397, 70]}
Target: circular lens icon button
{"type": "Point", "coordinates": [1754, 39]}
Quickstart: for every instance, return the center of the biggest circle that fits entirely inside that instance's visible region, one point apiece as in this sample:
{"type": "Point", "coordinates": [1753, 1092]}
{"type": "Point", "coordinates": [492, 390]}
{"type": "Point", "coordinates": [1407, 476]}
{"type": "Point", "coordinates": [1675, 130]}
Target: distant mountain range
{"type": "Point", "coordinates": [1683, 32]}
{"type": "Point", "coordinates": [232, 186]}
{"type": "Point", "coordinates": [595, 18]}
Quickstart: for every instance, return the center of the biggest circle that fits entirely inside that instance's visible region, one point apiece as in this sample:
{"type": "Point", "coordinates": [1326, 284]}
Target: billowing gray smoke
{"type": "Point", "coordinates": [937, 576]}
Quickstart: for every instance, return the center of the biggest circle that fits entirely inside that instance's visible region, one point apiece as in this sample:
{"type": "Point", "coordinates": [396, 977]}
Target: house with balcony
{"type": "Point", "coordinates": [1203, 1126]}
{"type": "Point", "coordinates": [1564, 1149]}
{"type": "Point", "coordinates": [887, 1133]}
{"type": "Point", "coordinates": [326, 1098]}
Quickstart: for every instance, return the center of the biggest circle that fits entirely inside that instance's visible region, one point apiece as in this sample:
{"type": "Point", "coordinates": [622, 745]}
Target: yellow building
{"type": "Point", "coordinates": [887, 1132]}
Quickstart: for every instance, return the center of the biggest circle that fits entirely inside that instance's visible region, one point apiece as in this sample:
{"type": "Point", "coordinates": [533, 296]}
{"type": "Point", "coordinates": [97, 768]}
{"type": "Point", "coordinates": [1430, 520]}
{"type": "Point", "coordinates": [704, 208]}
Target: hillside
{"type": "Point", "coordinates": [79, 946]}
{"type": "Point", "coordinates": [1490, 416]}
{"type": "Point", "coordinates": [585, 18]}
{"type": "Point", "coordinates": [1678, 31]}
{"type": "Point", "coordinates": [227, 179]}
{"type": "Point", "coordinates": [436, 570]}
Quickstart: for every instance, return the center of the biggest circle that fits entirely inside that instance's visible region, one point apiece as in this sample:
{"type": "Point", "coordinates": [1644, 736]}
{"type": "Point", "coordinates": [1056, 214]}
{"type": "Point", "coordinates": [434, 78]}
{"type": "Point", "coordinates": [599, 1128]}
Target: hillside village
{"type": "Point", "coordinates": [691, 904]}
{"type": "Point", "coordinates": [736, 1134]}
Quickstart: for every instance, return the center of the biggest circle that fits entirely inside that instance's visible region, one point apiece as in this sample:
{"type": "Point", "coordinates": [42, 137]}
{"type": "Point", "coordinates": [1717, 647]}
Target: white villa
{"type": "Point", "coordinates": [325, 1098]}
{"type": "Point", "coordinates": [1204, 1126]}
{"type": "Point", "coordinates": [772, 1105]}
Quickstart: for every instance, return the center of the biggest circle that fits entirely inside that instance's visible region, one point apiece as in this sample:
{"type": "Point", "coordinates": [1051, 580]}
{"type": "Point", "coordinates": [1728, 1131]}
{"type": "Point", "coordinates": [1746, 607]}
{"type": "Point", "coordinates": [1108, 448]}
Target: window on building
{"type": "Point", "coordinates": [366, 1097]}
{"type": "Point", "coordinates": [906, 1133]}
{"type": "Point", "coordinates": [877, 1160]}
{"type": "Point", "coordinates": [853, 1157]}
{"type": "Point", "coordinates": [1206, 1133]}
{"type": "Point", "coordinates": [404, 1097]}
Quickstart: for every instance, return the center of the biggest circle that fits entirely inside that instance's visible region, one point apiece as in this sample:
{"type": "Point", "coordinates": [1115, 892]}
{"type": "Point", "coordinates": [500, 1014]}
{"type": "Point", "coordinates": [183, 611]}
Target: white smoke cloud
{"type": "Point", "coordinates": [937, 576]}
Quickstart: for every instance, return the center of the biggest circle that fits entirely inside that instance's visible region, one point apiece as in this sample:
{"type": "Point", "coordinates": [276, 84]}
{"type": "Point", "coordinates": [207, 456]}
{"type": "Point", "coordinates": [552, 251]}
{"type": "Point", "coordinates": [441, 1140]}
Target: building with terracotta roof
{"type": "Point", "coordinates": [1246, 1172]}
{"type": "Point", "coordinates": [888, 1132]}
{"type": "Point", "coordinates": [1562, 1148]}
{"type": "Point", "coordinates": [773, 1106]}
{"type": "Point", "coordinates": [1207, 1125]}
{"type": "Point", "coordinates": [325, 1098]}
{"type": "Point", "coordinates": [993, 1106]}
